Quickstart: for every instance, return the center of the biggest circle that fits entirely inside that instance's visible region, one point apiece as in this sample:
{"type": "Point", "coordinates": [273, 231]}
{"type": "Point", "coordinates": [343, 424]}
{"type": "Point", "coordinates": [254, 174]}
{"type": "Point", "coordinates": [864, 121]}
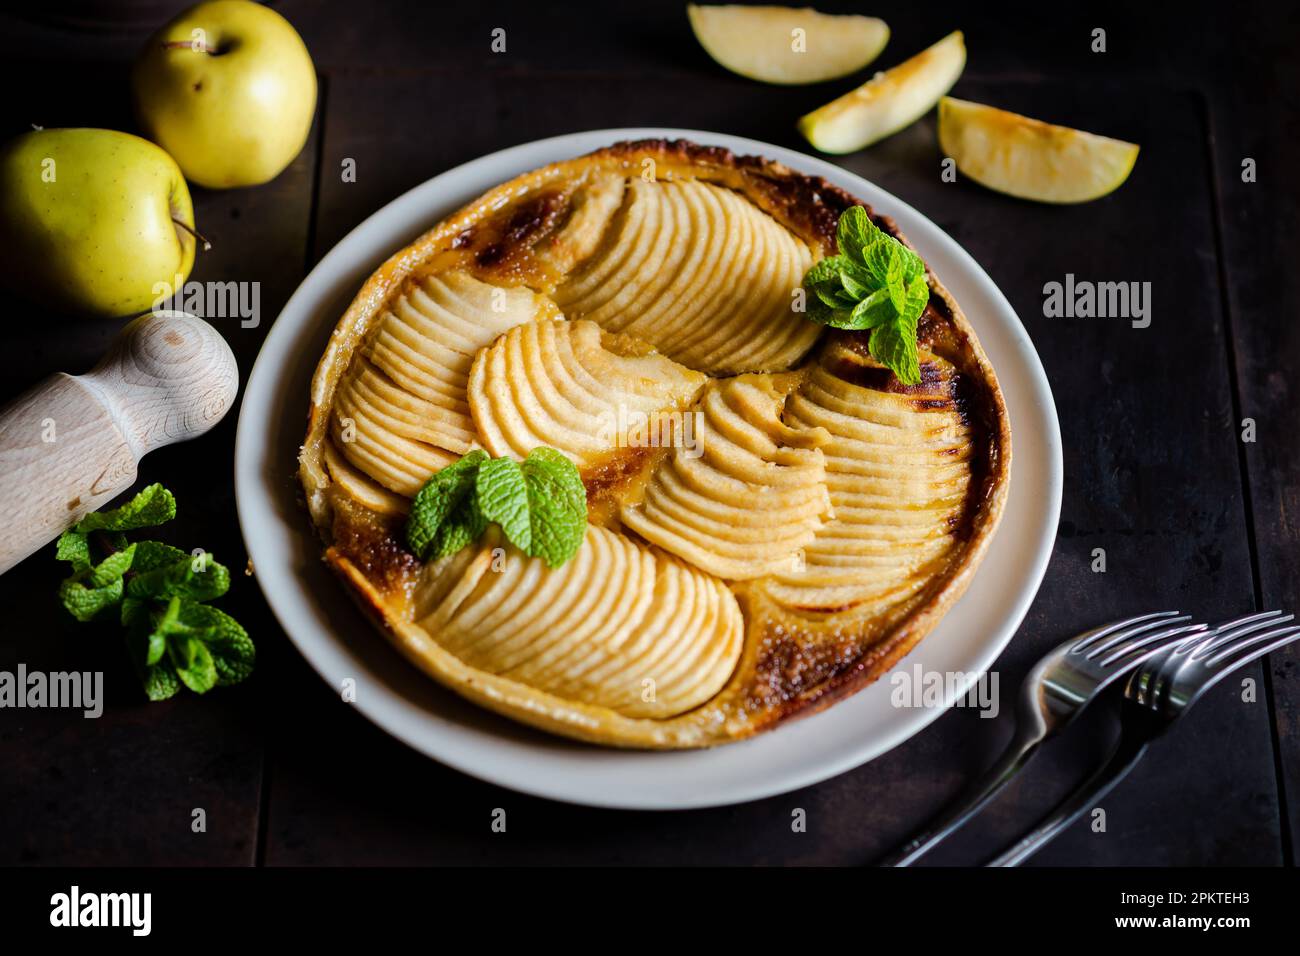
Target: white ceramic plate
{"type": "Point", "coordinates": [340, 643]}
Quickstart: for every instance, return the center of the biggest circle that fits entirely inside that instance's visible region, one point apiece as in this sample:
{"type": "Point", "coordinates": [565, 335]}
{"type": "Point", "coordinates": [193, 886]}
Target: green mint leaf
{"type": "Point", "coordinates": [463, 526]}
{"type": "Point", "coordinates": [918, 297]}
{"type": "Point", "coordinates": [894, 281]}
{"type": "Point", "coordinates": [855, 232]}
{"type": "Point", "coordinates": [858, 287]}
{"type": "Point", "coordinates": [111, 569]}
{"type": "Point", "coordinates": [173, 639]}
{"type": "Point", "coordinates": [825, 271]}
{"type": "Point", "coordinates": [875, 283]}
{"type": "Point", "coordinates": [96, 587]}
{"type": "Point", "coordinates": [875, 309]}
{"type": "Point", "coordinates": [229, 645]}
{"type": "Point", "coordinates": [74, 546]}
{"type": "Point", "coordinates": [912, 264]}
{"type": "Point", "coordinates": [152, 506]}
{"type": "Point", "coordinates": [502, 495]}
{"type": "Point", "coordinates": [894, 345]}
{"type": "Point", "coordinates": [160, 681]}
{"type": "Point", "coordinates": [540, 505]}
{"type": "Point", "coordinates": [445, 492]}
{"type": "Point", "coordinates": [557, 506]}
{"type": "Point", "coordinates": [877, 260]}
{"type": "Point", "coordinates": [85, 603]}
{"type": "Point", "coordinates": [164, 572]}
{"type": "Point", "coordinates": [193, 663]}
{"type": "Point", "coordinates": [146, 647]}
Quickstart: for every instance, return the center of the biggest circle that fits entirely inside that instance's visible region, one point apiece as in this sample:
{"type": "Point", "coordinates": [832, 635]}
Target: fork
{"type": "Point", "coordinates": [1053, 694]}
{"type": "Point", "coordinates": [1156, 696]}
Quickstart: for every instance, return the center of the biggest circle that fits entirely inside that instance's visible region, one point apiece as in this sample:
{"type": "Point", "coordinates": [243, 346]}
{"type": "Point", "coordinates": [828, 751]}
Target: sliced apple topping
{"type": "Point", "coordinates": [1031, 159]}
{"type": "Point", "coordinates": [601, 629]}
{"type": "Point", "coordinates": [700, 273]}
{"type": "Point", "coordinates": [787, 45]}
{"type": "Point", "coordinates": [888, 102]}
{"type": "Point", "coordinates": [749, 495]}
{"type": "Point", "coordinates": [401, 411]}
{"type": "Point", "coordinates": [567, 385]}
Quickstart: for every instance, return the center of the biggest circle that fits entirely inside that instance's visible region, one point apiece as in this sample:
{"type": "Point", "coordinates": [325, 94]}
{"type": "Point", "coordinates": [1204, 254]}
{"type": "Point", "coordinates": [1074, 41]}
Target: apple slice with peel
{"type": "Point", "coordinates": [787, 45]}
{"type": "Point", "coordinates": [889, 101]}
{"type": "Point", "coordinates": [1031, 159]}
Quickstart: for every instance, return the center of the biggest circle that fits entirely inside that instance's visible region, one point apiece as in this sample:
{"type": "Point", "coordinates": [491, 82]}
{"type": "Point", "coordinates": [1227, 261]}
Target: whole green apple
{"type": "Point", "coordinates": [229, 89]}
{"type": "Point", "coordinates": [92, 219]}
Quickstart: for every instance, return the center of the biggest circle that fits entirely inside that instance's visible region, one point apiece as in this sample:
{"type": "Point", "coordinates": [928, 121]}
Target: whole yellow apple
{"type": "Point", "coordinates": [228, 89]}
{"type": "Point", "coordinates": [92, 220]}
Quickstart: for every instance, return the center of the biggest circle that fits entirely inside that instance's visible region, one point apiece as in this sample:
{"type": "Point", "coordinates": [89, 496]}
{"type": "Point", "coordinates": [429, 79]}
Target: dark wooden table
{"type": "Point", "coordinates": [1156, 471]}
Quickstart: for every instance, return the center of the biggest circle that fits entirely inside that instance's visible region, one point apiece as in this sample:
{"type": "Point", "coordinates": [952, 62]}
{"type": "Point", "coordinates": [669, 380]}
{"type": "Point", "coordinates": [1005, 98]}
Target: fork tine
{"type": "Point", "coordinates": [1134, 653]}
{"type": "Point", "coordinates": [1092, 637]}
{"type": "Point", "coordinates": [1126, 635]}
{"type": "Point", "coordinates": [1230, 660]}
{"type": "Point", "coordinates": [1231, 630]}
{"type": "Point", "coordinates": [1247, 649]}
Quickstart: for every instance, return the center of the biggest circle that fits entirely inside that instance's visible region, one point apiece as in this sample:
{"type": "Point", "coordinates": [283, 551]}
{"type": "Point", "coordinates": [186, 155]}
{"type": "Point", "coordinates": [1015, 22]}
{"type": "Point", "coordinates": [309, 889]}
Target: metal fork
{"type": "Point", "coordinates": [1052, 696]}
{"type": "Point", "coordinates": [1156, 696]}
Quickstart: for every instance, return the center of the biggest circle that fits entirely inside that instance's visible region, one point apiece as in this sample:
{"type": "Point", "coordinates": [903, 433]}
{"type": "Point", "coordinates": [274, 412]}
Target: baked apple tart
{"type": "Point", "coordinates": [776, 509]}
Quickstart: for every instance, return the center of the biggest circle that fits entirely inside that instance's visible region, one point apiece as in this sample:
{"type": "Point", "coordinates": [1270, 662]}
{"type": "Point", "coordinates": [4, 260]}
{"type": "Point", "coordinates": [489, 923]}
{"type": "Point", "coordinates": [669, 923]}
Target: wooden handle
{"type": "Point", "coordinates": [72, 443]}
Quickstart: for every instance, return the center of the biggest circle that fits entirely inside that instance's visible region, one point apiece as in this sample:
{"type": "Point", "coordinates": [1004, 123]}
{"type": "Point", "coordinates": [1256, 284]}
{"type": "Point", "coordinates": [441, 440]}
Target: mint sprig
{"type": "Point", "coordinates": [540, 505]}
{"type": "Point", "coordinates": [874, 283]}
{"type": "Point", "coordinates": [160, 592]}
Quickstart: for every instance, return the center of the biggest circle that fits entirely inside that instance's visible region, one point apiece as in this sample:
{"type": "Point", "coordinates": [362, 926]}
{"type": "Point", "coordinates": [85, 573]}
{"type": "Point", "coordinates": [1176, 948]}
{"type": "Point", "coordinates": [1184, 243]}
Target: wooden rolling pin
{"type": "Point", "coordinates": [72, 443]}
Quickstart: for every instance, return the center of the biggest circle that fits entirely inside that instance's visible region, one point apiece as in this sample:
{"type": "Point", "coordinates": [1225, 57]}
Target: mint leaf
{"type": "Point", "coordinates": [111, 569]}
{"type": "Point", "coordinates": [173, 638]}
{"type": "Point", "coordinates": [540, 506]}
{"type": "Point", "coordinates": [918, 297]}
{"type": "Point", "coordinates": [875, 309]}
{"type": "Point", "coordinates": [193, 663]}
{"type": "Point", "coordinates": [557, 506]}
{"type": "Point", "coordinates": [96, 587]}
{"type": "Point", "coordinates": [445, 492]}
{"type": "Point", "coordinates": [894, 345]}
{"type": "Point", "coordinates": [164, 572]}
{"type": "Point", "coordinates": [875, 283]}
{"type": "Point", "coordinates": [160, 681]}
{"type": "Point", "coordinates": [855, 233]}
{"type": "Point", "coordinates": [152, 506]}
{"type": "Point", "coordinates": [228, 643]}
{"type": "Point", "coordinates": [462, 526]}
{"type": "Point", "coordinates": [502, 495]}
{"type": "Point", "coordinates": [146, 647]}
{"type": "Point", "coordinates": [75, 547]}
{"type": "Point", "coordinates": [825, 271]}
{"type": "Point", "coordinates": [85, 603]}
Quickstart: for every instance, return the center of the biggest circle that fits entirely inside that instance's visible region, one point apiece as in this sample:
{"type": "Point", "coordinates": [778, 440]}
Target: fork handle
{"type": "Point", "coordinates": [1123, 758]}
{"type": "Point", "coordinates": [1018, 753]}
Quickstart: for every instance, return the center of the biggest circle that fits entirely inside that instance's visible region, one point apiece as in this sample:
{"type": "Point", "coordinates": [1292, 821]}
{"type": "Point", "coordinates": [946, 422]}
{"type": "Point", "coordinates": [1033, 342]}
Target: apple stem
{"type": "Point", "coordinates": [189, 45]}
{"type": "Point", "coordinates": [207, 246]}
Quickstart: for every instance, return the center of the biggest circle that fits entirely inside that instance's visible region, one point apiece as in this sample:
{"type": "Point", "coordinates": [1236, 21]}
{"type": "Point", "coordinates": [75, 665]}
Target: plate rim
{"type": "Point", "coordinates": [255, 503]}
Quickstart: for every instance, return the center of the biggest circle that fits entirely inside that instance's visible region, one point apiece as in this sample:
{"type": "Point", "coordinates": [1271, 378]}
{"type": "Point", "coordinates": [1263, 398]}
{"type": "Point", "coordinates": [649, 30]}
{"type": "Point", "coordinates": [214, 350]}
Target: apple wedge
{"type": "Point", "coordinates": [1031, 159]}
{"type": "Point", "coordinates": [889, 101]}
{"type": "Point", "coordinates": [787, 45]}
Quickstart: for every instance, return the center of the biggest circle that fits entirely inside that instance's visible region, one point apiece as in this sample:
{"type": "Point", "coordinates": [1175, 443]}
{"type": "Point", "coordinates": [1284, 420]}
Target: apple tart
{"type": "Point", "coordinates": [774, 518]}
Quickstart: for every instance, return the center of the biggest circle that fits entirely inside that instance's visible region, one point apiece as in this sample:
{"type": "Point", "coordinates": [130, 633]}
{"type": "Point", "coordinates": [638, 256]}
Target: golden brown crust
{"type": "Point", "coordinates": [791, 666]}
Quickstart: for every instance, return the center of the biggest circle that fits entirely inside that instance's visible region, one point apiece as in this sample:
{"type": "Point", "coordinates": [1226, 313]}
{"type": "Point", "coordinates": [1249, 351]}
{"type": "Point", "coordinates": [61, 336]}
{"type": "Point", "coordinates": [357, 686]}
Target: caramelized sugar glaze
{"type": "Point", "coordinates": [823, 519]}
